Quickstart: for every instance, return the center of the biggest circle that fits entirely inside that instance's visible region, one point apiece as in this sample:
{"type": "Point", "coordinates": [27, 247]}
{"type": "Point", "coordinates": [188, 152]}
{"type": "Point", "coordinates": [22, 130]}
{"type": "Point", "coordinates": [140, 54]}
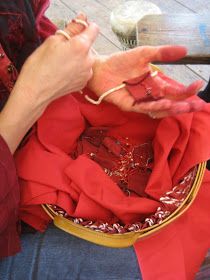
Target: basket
{"type": "Point", "coordinates": [122, 240]}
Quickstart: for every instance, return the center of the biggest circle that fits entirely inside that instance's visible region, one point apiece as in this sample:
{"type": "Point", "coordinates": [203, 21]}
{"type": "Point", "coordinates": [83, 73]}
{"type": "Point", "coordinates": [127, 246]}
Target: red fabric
{"type": "Point", "coordinates": [80, 186]}
{"type": "Point", "coordinates": [128, 165]}
{"type": "Point", "coordinates": [177, 251]}
{"type": "Point", "coordinates": [145, 83]}
{"type": "Point", "coordinates": [43, 25]}
{"type": "Point", "coordinates": [7, 78]}
{"type": "Point", "coordinates": [9, 189]}
{"type": "Point", "coordinates": [9, 202]}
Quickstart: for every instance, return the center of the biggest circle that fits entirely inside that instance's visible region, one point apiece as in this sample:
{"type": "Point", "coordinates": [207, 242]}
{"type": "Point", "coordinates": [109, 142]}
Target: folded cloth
{"type": "Point", "coordinates": [52, 171]}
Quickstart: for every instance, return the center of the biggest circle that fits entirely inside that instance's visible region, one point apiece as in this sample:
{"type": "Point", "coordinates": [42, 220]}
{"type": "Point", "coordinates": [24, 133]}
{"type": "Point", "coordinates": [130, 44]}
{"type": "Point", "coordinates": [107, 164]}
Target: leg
{"type": "Point", "coordinates": [204, 272]}
{"type": "Point", "coordinates": [58, 255]}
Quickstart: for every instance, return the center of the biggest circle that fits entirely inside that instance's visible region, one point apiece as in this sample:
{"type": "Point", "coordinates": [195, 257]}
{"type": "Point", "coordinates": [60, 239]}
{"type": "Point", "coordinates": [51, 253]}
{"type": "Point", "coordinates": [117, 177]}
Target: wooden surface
{"type": "Point", "coordinates": [107, 43]}
{"type": "Point", "coordinates": [190, 30]}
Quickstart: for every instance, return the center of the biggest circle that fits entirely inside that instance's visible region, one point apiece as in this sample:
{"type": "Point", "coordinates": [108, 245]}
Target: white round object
{"type": "Point", "coordinates": [124, 18]}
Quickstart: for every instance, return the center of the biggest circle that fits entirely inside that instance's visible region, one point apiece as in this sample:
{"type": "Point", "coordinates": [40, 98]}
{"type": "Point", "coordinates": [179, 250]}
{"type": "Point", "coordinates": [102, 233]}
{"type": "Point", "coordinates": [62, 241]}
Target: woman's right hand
{"type": "Point", "coordinates": [58, 66]}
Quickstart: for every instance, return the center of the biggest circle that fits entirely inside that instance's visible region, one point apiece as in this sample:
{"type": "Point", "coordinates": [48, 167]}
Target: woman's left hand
{"type": "Point", "coordinates": [170, 97]}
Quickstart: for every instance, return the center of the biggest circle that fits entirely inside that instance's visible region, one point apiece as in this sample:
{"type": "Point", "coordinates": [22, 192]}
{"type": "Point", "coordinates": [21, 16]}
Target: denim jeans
{"type": "Point", "coordinates": [59, 255]}
{"type": "Point", "coordinates": [205, 95]}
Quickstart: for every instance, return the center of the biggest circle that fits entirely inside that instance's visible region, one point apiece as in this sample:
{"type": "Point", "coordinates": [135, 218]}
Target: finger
{"type": "Point", "coordinates": [180, 107]}
{"type": "Point", "coordinates": [180, 92]}
{"type": "Point", "coordinates": [121, 99]}
{"type": "Point", "coordinates": [153, 106]}
{"type": "Point", "coordinates": [187, 106]}
{"type": "Point", "coordinates": [175, 109]}
{"type": "Point", "coordinates": [89, 35]}
{"type": "Point", "coordinates": [161, 53]}
{"type": "Point", "coordinates": [74, 28]}
{"type": "Point", "coordinates": [171, 89]}
{"type": "Point", "coordinates": [82, 16]}
{"type": "Point", "coordinates": [143, 54]}
{"type": "Point", "coordinates": [170, 53]}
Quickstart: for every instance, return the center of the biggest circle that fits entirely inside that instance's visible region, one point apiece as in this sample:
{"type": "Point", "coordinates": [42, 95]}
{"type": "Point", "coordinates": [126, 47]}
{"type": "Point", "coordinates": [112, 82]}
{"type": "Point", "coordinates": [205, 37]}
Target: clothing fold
{"type": "Point", "coordinates": [52, 171]}
{"type": "Point", "coordinates": [9, 202]}
{"type": "Point", "coordinates": [23, 28]}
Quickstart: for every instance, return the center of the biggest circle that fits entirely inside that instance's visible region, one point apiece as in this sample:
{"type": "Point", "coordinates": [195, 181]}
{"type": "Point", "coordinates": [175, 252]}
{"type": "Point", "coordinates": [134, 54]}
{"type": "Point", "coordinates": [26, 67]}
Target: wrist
{"type": "Point", "coordinates": [29, 96]}
{"type": "Point", "coordinates": [17, 117]}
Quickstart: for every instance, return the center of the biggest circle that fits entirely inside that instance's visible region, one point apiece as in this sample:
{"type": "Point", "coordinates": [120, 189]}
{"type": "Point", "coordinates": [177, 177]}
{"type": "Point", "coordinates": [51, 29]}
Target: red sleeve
{"type": "Point", "coordinates": [9, 202]}
{"type": "Point", "coordinates": [44, 26]}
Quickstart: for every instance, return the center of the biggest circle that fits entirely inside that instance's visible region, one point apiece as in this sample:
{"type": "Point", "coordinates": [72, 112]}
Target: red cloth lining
{"type": "Point", "coordinates": [49, 175]}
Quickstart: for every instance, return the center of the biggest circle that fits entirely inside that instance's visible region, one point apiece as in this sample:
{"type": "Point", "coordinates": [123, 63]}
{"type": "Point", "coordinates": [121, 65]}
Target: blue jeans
{"type": "Point", "coordinates": [59, 255]}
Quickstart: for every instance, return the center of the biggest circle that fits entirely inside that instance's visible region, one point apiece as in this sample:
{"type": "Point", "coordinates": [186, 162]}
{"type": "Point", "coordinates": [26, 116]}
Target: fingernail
{"type": "Point", "coordinates": [199, 85]}
{"type": "Point", "coordinates": [81, 15]}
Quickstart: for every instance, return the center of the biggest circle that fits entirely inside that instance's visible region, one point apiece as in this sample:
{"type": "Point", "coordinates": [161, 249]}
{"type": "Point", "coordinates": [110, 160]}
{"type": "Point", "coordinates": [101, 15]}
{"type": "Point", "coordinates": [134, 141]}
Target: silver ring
{"type": "Point", "coordinates": [153, 74]}
{"type": "Point", "coordinates": [150, 114]}
{"type": "Point", "coordinates": [64, 33]}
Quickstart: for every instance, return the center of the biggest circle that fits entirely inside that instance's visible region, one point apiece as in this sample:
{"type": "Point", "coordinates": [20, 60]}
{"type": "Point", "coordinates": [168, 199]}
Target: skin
{"type": "Point", "coordinates": [37, 87]}
{"type": "Point", "coordinates": [111, 71]}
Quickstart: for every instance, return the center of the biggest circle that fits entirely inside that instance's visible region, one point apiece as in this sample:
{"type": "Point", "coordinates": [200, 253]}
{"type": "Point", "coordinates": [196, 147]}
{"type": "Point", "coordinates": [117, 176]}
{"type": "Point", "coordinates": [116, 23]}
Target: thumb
{"type": "Point", "coordinates": [149, 54]}
{"type": "Point", "coordinates": [89, 35]}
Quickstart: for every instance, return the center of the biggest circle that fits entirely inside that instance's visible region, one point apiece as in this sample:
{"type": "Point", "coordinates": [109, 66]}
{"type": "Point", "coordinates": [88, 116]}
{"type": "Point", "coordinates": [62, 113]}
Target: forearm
{"type": "Point", "coordinates": [40, 82]}
{"type": "Point", "coordinates": [18, 115]}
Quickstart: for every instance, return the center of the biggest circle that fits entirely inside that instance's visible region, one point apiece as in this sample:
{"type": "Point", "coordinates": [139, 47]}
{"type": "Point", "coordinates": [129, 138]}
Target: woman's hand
{"type": "Point", "coordinates": [170, 96]}
{"type": "Point", "coordinates": [59, 66]}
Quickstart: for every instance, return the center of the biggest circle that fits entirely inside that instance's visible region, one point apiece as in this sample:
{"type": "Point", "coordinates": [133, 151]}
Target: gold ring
{"type": "Point", "coordinates": [80, 21]}
{"type": "Point", "coordinates": [64, 33]}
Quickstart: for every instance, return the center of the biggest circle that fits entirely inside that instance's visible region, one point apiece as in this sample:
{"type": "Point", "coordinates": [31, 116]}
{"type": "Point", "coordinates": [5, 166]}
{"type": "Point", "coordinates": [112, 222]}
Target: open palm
{"type": "Point", "coordinates": [171, 96]}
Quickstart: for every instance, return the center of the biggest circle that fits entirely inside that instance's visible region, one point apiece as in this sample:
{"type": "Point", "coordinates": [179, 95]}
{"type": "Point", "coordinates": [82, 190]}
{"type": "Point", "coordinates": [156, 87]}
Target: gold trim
{"type": "Point", "coordinates": [126, 239]}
